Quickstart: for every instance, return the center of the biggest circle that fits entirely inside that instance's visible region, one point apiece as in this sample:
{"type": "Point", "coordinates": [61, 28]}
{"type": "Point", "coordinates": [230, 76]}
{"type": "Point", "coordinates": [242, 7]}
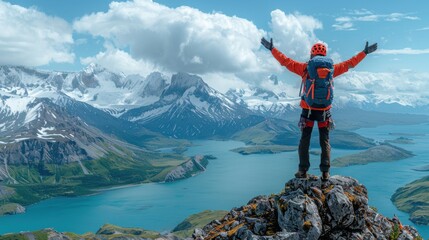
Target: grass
{"type": "Point", "coordinates": [38, 235]}
{"type": "Point", "coordinates": [381, 153]}
{"type": "Point", "coordinates": [413, 198]}
{"type": "Point", "coordinates": [199, 220]}
{"type": "Point", "coordinates": [69, 179]}
{"type": "Point", "coordinates": [16, 236]}
{"type": "Point", "coordinates": [109, 231]}
{"type": "Point", "coordinates": [8, 208]}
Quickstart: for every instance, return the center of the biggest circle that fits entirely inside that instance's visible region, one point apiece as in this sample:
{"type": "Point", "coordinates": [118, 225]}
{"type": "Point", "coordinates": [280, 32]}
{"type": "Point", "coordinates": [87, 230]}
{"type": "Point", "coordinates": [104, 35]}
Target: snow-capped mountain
{"type": "Point", "coordinates": [264, 102]}
{"type": "Point", "coordinates": [113, 93]}
{"type": "Point", "coordinates": [183, 106]}
{"type": "Point", "coordinates": [189, 108]}
{"type": "Point", "coordinates": [36, 131]}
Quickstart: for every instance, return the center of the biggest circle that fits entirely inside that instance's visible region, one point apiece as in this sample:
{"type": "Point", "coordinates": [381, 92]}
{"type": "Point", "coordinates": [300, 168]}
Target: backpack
{"type": "Point", "coordinates": [317, 87]}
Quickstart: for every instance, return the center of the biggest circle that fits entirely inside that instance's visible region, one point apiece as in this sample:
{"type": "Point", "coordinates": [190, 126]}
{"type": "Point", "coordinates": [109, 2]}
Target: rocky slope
{"type": "Point", "coordinates": [309, 209]}
{"type": "Point", "coordinates": [189, 108]}
{"type": "Point", "coordinates": [413, 198]}
{"type": "Point", "coordinates": [189, 168]}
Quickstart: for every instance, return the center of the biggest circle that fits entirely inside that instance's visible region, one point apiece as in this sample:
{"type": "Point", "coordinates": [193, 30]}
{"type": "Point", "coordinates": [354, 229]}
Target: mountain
{"type": "Point", "coordinates": [265, 102]}
{"type": "Point", "coordinates": [189, 108]}
{"type": "Point", "coordinates": [42, 133]}
{"type": "Point", "coordinates": [59, 146]}
{"type": "Point", "coordinates": [95, 95]}
{"type": "Point", "coordinates": [351, 111]}
{"type": "Point", "coordinates": [111, 92]}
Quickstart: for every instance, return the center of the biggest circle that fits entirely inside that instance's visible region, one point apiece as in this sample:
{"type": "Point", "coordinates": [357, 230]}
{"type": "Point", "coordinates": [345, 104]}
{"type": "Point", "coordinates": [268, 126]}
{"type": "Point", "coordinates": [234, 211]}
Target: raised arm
{"type": "Point", "coordinates": [290, 64]}
{"type": "Point", "coordinates": [343, 67]}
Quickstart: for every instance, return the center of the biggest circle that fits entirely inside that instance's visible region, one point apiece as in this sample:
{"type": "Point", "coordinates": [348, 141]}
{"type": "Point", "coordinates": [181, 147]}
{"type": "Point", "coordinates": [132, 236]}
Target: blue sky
{"type": "Point", "coordinates": [217, 39]}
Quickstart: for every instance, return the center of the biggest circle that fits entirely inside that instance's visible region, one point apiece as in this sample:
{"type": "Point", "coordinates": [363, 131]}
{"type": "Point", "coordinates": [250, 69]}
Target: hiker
{"type": "Point", "coordinates": [316, 97]}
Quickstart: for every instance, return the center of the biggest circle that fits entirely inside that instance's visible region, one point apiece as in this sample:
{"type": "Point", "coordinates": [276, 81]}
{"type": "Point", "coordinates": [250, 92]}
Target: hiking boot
{"type": "Point", "coordinates": [325, 176]}
{"type": "Point", "coordinates": [301, 174]}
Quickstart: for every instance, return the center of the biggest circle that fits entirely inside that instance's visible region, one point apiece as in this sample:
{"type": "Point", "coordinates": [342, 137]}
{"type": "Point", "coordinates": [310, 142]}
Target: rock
{"type": "Point", "coordinates": [5, 192]}
{"type": "Point", "coordinates": [340, 206]}
{"type": "Point", "coordinates": [19, 209]}
{"type": "Point", "coordinates": [309, 209]}
{"type": "Point", "coordinates": [198, 233]}
{"type": "Point", "coordinates": [11, 209]}
{"type": "Point", "coordinates": [188, 169]}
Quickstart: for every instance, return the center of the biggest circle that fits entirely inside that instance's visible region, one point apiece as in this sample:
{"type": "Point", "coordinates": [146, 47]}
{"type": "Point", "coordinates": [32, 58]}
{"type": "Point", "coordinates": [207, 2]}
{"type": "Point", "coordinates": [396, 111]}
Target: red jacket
{"type": "Point", "coordinates": [301, 68]}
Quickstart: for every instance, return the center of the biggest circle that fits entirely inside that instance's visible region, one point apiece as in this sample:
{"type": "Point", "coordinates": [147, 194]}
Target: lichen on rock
{"type": "Point", "coordinates": [307, 209]}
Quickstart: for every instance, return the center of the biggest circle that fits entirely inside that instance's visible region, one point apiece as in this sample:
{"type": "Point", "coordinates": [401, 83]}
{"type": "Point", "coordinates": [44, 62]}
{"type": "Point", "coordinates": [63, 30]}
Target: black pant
{"type": "Point", "coordinates": [306, 124]}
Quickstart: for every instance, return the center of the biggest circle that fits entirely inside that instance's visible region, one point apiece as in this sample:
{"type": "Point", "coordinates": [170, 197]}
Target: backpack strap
{"type": "Point", "coordinates": [304, 77]}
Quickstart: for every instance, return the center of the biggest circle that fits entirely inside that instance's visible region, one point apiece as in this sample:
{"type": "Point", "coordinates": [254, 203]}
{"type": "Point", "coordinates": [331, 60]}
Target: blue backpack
{"type": "Point", "coordinates": [317, 89]}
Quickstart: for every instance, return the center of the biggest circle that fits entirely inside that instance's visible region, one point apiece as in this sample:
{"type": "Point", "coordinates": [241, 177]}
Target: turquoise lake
{"type": "Point", "coordinates": [230, 181]}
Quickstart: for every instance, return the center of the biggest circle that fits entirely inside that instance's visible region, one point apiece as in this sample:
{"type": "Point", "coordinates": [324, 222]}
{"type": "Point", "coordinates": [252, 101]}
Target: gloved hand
{"type": "Point", "coordinates": [266, 44]}
{"type": "Point", "coordinates": [370, 49]}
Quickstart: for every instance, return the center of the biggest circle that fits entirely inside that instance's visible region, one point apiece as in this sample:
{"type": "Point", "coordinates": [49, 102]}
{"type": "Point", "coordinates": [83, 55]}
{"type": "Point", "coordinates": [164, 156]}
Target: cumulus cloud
{"type": "Point", "coordinates": [294, 33]}
{"type": "Point", "coordinates": [146, 35]}
{"type": "Point", "coordinates": [403, 87]}
{"type": "Point", "coordinates": [222, 82]}
{"type": "Point", "coordinates": [119, 61]}
{"type": "Point", "coordinates": [31, 38]}
{"type": "Point", "coordinates": [177, 39]}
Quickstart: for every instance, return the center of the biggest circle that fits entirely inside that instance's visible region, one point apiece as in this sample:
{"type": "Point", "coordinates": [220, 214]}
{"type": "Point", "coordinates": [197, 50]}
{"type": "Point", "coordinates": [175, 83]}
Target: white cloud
{"type": "Point", "coordinates": [222, 82]}
{"type": "Point", "coordinates": [423, 29]}
{"type": "Point", "coordinates": [368, 18]}
{"type": "Point", "coordinates": [346, 22]}
{"type": "Point", "coordinates": [405, 51]}
{"type": "Point", "coordinates": [119, 61]}
{"type": "Point", "coordinates": [177, 39]}
{"type": "Point", "coordinates": [31, 38]}
{"type": "Point", "coordinates": [403, 87]}
{"type": "Point", "coordinates": [343, 19]}
{"type": "Point", "coordinates": [344, 26]}
{"type": "Point", "coordinates": [294, 33]}
{"type": "Point", "coordinates": [224, 50]}
{"type": "Point", "coordinates": [361, 12]}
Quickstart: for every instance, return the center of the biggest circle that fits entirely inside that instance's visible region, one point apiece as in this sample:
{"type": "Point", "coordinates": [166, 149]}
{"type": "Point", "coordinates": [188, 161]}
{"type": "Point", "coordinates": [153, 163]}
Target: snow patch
{"type": "Point", "coordinates": [33, 113]}
{"type": "Point", "coordinates": [151, 114]}
{"type": "Point", "coordinates": [200, 105]}
{"type": "Point", "coordinates": [43, 133]}
{"type": "Point", "coordinates": [20, 139]}
{"type": "Point", "coordinates": [17, 104]}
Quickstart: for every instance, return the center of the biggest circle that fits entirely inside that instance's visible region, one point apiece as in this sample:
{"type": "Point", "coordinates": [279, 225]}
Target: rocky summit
{"type": "Point", "coordinates": [309, 209]}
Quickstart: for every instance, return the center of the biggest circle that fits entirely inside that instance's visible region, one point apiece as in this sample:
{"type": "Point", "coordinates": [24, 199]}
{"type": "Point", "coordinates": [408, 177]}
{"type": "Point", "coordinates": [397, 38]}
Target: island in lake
{"type": "Point", "coordinates": [379, 153]}
{"type": "Point", "coordinates": [264, 149]}
{"type": "Point", "coordinates": [413, 198]}
{"type": "Point", "coordinates": [401, 140]}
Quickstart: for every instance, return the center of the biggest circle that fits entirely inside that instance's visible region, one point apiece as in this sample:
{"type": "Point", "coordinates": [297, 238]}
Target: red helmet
{"type": "Point", "coordinates": [318, 49]}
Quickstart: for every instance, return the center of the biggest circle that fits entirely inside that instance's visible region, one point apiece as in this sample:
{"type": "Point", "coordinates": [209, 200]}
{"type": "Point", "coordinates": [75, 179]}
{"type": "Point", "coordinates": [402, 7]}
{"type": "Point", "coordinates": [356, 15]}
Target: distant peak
{"type": "Point", "coordinates": [93, 68]}
{"type": "Point", "coordinates": [186, 80]}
